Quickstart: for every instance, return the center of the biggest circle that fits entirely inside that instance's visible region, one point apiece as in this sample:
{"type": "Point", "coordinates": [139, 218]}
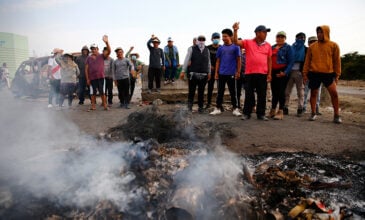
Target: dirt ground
{"type": "Point", "coordinates": [292, 134]}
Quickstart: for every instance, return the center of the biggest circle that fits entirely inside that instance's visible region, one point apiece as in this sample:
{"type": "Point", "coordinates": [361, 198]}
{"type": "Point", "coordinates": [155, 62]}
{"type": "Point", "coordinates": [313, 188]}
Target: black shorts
{"type": "Point", "coordinates": [315, 79]}
{"type": "Point", "coordinates": [97, 85]}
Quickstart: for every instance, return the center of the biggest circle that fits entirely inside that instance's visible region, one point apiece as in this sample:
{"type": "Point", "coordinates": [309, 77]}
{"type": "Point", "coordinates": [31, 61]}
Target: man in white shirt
{"type": "Point", "coordinates": [54, 75]}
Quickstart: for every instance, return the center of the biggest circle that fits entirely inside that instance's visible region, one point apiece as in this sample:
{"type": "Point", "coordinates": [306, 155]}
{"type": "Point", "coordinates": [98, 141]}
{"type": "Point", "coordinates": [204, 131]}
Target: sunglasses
{"type": "Point", "coordinates": [201, 39]}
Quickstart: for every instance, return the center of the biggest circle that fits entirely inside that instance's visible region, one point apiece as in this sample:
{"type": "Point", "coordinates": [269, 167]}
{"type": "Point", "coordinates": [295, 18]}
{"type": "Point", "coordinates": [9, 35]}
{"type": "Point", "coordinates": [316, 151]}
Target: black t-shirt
{"type": "Point", "coordinates": [213, 54]}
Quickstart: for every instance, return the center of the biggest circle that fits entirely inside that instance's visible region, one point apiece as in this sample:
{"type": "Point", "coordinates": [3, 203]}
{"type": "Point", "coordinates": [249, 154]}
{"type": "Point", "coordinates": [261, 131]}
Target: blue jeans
{"type": "Point", "coordinates": [170, 73]}
{"type": "Point", "coordinates": [82, 89]}
{"type": "Point", "coordinates": [306, 92]}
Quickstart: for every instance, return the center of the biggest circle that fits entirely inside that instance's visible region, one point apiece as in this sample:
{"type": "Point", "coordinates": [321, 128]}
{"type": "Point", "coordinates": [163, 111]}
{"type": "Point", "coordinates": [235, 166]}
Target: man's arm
{"type": "Point", "coordinates": [87, 74]}
{"type": "Point", "coordinates": [77, 71]}
{"type": "Point", "coordinates": [177, 59]}
{"type": "Point", "coordinates": [306, 66]}
{"type": "Point", "coordinates": [163, 59]}
{"type": "Point", "coordinates": [129, 52]}
{"type": "Point", "coordinates": [235, 27]}
{"type": "Point", "coordinates": [217, 65]}
{"type": "Point", "coordinates": [149, 43]}
{"type": "Point", "coordinates": [337, 62]}
{"type": "Point", "coordinates": [59, 60]}
{"type": "Point", "coordinates": [186, 62]}
{"type": "Point", "coordinates": [291, 58]}
{"type": "Point", "coordinates": [106, 41]}
{"type": "Point", "coordinates": [239, 63]}
{"type": "Point", "coordinates": [269, 66]}
{"type": "Point", "coordinates": [166, 55]}
{"type": "Point", "coordinates": [49, 69]}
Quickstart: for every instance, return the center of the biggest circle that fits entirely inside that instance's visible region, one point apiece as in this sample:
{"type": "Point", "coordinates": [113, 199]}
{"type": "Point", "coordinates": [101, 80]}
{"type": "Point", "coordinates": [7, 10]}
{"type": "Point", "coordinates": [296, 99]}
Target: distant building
{"type": "Point", "coordinates": [13, 50]}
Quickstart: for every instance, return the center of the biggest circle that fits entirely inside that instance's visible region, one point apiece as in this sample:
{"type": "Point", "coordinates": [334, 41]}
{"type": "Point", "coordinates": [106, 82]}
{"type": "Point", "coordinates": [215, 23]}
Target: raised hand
{"type": "Point", "coordinates": [105, 39]}
{"type": "Point", "coordinates": [236, 26]}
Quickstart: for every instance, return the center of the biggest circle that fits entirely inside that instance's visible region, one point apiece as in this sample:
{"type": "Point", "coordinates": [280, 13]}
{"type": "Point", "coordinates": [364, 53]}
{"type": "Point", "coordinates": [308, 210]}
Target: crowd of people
{"type": "Point", "coordinates": [254, 63]}
{"type": "Point", "coordinates": [249, 64]}
{"type": "Point", "coordinates": [94, 72]}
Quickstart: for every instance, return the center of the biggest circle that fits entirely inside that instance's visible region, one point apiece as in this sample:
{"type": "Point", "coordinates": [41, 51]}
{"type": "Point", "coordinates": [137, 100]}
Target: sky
{"type": "Point", "coordinates": [70, 24]}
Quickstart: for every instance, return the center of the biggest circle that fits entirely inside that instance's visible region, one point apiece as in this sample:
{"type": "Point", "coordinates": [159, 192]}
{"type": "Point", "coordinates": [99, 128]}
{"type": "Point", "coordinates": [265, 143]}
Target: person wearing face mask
{"type": "Point", "coordinates": [213, 48]}
{"type": "Point", "coordinates": [197, 65]}
{"type": "Point", "coordinates": [282, 63]}
{"type": "Point", "coordinates": [295, 77]}
{"type": "Point", "coordinates": [69, 73]}
{"type": "Point", "coordinates": [227, 71]}
{"type": "Point", "coordinates": [138, 65]}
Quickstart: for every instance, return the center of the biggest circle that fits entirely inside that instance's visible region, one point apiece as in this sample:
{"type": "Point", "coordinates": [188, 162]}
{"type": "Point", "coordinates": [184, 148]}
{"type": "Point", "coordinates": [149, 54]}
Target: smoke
{"type": "Point", "coordinates": [46, 155]}
{"type": "Point", "coordinates": [207, 178]}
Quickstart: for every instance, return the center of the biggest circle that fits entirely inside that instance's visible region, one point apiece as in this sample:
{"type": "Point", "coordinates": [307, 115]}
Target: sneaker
{"type": "Point", "coordinates": [286, 111]}
{"type": "Point", "coordinates": [300, 112]}
{"type": "Point", "coordinates": [245, 117]}
{"type": "Point", "coordinates": [207, 106]}
{"type": "Point", "coordinates": [318, 113]}
{"type": "Point", "coordinates": [337, 119]}
{"type": "Point", "coordinates": [50, 106]}
{"type": "Point", "coordinates": [149, 91]}
{"type": "Point", "coordinates": [166, 82]}
{"type": "Point", "coordinates": [236, 112]}
{"type": "Point", "coordinates": [313, 117]}
{"type": "Point", "coordinates": [216, 111]}
{"type": "Point", "coordinates": [172, 82]}
{"type": "Point", "coordinates": [262, 118]}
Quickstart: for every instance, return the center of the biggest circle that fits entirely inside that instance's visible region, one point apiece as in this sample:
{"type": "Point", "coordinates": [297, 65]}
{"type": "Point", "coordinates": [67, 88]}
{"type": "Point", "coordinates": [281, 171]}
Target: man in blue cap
{"type": "Point", "coordinates": [213, 48]}
{"type": "Point", "coordinates": [257, 70]}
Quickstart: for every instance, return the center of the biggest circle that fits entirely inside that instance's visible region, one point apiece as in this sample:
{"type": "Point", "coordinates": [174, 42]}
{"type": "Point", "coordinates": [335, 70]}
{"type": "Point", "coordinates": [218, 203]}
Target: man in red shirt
{"type": "Point", "coordinates": [94, 69]}
{"type": "Point", "coordinates": [258, 70]}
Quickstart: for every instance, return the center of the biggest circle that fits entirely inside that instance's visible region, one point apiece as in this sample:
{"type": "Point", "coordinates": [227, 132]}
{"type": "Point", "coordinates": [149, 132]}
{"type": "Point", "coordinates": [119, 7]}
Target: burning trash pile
{"type": "Point", "coordinates": [166, 167]}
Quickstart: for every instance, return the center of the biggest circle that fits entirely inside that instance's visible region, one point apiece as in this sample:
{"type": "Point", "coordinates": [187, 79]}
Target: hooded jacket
{"type": "Point", "coordinates": [323, 56]}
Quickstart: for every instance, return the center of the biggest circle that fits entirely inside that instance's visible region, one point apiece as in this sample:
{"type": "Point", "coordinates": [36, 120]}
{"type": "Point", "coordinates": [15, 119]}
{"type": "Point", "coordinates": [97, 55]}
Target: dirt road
{"type": "Point", "coordinates": [293, 134]}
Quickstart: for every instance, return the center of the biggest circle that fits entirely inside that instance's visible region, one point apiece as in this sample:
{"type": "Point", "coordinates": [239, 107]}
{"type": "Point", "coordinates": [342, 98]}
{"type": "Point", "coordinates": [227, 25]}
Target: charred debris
{"type": "Point", "coordinates": [181, 171]}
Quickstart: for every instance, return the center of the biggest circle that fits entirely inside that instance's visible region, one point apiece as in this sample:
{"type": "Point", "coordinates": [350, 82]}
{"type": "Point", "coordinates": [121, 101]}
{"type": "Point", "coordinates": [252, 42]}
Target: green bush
{"type": "Point", "coordinates": [353, 66]}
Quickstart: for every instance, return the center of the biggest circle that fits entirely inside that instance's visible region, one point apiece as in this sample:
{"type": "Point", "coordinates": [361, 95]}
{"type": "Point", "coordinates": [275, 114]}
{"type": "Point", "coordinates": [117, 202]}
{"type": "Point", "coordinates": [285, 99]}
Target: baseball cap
{"type": "Point", "coordinates": [281, 33]}
{"type": "Point", "coordinates": [85, 48]}
{"type": "Point", "coordinates": [216, 35]}
{"type": "Point", "coordinates": [156, 40]}
{"type": "Point", "coordinates": [312, 38]}
{"type": "Point", "coordinates": [68, 55]}
{"type": "Point", "coordinates": [94, 46]}
{"type": "Point", "coordinates": [262, 28]}
{"type": "Point", "coordinates": [118, 48]}
{"type": "Point", "coordinates": [201, 38]}
{"type": "Point", "coordinates": [169, 39]}
{"type": "Point", "coordinates": [56, 50]}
